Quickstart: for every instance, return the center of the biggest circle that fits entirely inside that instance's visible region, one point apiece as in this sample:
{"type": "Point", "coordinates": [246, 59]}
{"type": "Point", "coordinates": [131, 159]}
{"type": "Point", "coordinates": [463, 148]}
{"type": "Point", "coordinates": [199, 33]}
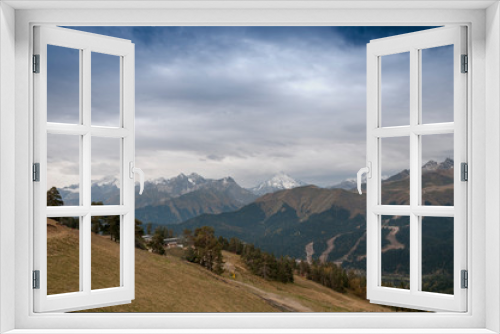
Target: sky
{"type": "Point", "coordinates": [247, 102]}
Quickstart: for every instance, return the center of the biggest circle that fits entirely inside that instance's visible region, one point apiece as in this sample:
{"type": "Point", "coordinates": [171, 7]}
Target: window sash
{"type": "Point", "coordinates": [86, 43]}
{"type": "Point", "coordinates": [413, 43]}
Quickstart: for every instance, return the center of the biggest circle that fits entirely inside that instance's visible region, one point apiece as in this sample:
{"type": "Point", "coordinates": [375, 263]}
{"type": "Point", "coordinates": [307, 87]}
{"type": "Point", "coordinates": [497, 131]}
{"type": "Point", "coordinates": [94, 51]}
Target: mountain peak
{"type": "Point", "coordinates": [446, 164]}
{"type": "Point", "coordinates": [279, 181]}
{"type": "Point", "coordinates": [432, 165]}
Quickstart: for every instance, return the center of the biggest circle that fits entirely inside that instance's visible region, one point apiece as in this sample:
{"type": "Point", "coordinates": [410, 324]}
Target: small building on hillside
{"type": "Point", "coordinates": [147, 237]}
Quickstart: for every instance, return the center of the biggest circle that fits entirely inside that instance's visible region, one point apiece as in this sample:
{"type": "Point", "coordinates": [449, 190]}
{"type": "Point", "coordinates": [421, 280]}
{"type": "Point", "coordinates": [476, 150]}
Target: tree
{"type": "Point", "coordinates": [149, 227]}
{"type": "Point", "coordinates": [54, 197]}
{"type": "Point", "coordinates": [157, 241]}
{"type": "Point", "coordinates": [139, 232]}
{"type": "Point", "coordinates": [205, 249]}
{"type": "Point", "coordinates": [114, 227]}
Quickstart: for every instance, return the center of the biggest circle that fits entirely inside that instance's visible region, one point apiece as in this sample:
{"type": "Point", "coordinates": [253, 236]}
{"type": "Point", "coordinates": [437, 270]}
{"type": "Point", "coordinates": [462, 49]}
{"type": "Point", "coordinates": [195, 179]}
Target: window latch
{"type": "Point", "coordinates": [134, 170]}
{"type": "Point", "coordinates": [365, 170]}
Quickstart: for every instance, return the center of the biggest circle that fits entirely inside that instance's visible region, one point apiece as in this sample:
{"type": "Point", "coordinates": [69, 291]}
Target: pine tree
{"type": "Point", "coordinates": [54, 197]}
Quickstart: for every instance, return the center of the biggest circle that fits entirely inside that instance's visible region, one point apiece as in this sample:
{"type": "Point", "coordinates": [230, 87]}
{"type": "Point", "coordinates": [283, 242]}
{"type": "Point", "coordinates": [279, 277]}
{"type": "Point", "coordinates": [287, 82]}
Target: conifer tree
{"type": "Point", "coordinates": [54, 197]}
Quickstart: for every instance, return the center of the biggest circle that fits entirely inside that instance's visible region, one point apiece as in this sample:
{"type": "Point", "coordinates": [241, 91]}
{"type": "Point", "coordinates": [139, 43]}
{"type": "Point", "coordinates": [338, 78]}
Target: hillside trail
{"type": "Point", "coordinates": [391, 237]}
{"type": "Point", "coordinates": [393, 242]}
{"type": "Point", "coordinates": [330, 246]}
{"type": "Point", "coordinates": [348, 254]}
{"type": "Point", "coordinates": [283, 303]}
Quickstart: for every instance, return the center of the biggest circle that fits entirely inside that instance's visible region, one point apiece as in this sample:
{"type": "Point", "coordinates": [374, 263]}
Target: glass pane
{"type": "Point", "coordinates": [395, 89]}
{"type": "Point", "coordinates": [437, 84]}
{"type": "Point", "coordinates": [63, 85]}
{"type": "Point", "coordinates": [437, 170]}
{"type": "Point", "coordinates": [395, 244]}
{"type": "Point", "coordinates": [106, 171]}
{"type": "Point", "coordinates": [105, 90]}
{"type": "Point", "coordinates": [63, 255]}
{"type": "Point", "coordinates": [105, 252]}
{"type": "Point", "coordinates": [63, 170]}
{"type": "Point", "coordinates": [437, 254]}
{"type": "Point", "coordinates": [395, 171]}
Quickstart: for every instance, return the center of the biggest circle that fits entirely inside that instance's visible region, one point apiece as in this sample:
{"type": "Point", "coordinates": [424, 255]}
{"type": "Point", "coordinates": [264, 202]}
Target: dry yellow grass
{"type": "Point", "coordinates": [169, 284]}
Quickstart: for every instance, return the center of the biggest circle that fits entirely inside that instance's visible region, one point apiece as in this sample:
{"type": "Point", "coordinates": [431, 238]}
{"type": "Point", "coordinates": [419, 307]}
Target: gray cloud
{"type": "Point", "coordinates": [248, 102]}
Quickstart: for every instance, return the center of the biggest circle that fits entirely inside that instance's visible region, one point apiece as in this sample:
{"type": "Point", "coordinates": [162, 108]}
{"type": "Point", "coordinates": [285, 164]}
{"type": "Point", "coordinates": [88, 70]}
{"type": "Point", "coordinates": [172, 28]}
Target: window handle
{"type": "Point", "coordinates": [134, 170]}
{"type": "Point", "coordinates": [368, 171]}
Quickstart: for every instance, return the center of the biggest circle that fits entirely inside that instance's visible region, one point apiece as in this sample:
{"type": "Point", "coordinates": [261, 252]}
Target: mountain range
{"type": "Point", "coordinates": [170, 201]}
{"type": "Point", "coordinates": [309, 222]}
{"type": "Point", "coordinates": [289, 218]}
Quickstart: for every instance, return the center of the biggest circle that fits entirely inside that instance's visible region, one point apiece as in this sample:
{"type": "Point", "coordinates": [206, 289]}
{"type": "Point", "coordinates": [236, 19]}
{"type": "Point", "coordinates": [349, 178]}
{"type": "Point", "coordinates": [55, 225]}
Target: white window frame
{"type": "Point", "coordinates": [483, 20]}
{"type": "Point", "coordinates": [86, 44]}
{"type": "Point", "coordinates": [414, 43]}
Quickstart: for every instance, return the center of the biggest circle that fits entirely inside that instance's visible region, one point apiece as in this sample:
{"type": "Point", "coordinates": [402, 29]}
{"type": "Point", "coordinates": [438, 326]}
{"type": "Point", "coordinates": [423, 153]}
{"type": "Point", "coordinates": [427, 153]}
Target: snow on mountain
{"type": "Point", "coordinates": [106, 182]}
{"type": "Point", "coordinates": [447, 164]}
{"type": "Point", "coordinates": [347, 184]}
{"type": "Point", "coordinates": [278, 182]}
{"type": "Point", "coordinates": [157, 191]}
{"type": "Point", "coordinates": [429, 166]}
{"type": "Point", "coordinates": [432, 165]}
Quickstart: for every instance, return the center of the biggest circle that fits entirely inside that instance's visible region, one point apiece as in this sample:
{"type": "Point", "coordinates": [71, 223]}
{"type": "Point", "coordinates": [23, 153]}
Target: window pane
{"type": "Point", "coordinates": [395, 244]}
{"type": "Point", "coordinates": [105, 90]}
{"type": "Point", "coordinates": [63, 170]}
{"type": "Point", "coordinates": [395, 171]}
{"type": "Point", "coordinates": [106, 171]}
{"type": "Point", "coordinates": [437, 84]}
{"type": "Point", "coordinates": [437, 254]}
{"type": "Point", "coordinates": [63, 255]}
{"type": "Point", "coordinates": [437, 170]}
{"type": "Point", "coordinates": [395, 89]}
{"type": "Point", "coordinates": [105, 252]}
{"type": "Point", "coordinates": [63, 85]}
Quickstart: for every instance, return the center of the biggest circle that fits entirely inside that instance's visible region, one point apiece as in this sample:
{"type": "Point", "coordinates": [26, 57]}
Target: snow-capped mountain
{"type": "Point", "coordinates": [429, 166]}
{"type": "Point", "coordinates": [432, 165]}
{"type": "Point", "coordinates": [159, 191]}
{"type": "Point", "coordinates": [278, 182]}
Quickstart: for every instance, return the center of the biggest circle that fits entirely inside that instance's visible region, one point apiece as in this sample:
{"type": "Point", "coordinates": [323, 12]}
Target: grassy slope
{"type": "Point", "coordinates": [169, 284]}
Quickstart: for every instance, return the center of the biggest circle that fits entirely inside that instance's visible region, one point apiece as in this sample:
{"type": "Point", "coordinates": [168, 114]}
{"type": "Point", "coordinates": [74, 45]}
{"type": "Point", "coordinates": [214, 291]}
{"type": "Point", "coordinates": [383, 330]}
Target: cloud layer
{"type": "Point", "coordinates": [248, 101]}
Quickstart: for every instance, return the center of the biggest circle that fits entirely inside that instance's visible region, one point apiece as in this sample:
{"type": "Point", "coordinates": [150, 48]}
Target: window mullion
{"type": "Point", "coordinates": [85, 233]}
{"type": "Point", "coordinates": [414, 169]}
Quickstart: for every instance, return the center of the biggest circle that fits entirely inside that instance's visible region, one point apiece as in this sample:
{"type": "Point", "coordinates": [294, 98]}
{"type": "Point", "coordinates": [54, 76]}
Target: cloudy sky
{"type": "Point", "coordinates": [247, 102]}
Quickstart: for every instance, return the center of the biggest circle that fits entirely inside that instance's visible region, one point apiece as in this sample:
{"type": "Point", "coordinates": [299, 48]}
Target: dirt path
{"type": "Point", "coordinates": [309, 252]}
{"type": "Point", "coordinates": [391, 237]}
{"type": "Point", "coordinates": [282, 303]}
{"type": "Point", "coordinates": [331, 245]}
{"type": "Point", "coordinates": [346, 256]}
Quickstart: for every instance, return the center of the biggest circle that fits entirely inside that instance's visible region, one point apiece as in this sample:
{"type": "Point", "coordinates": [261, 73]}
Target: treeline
{"type": "Point", "coordinates": [102, 225]}
{"type": "Point", "coordinates": [204, 248]}
{"type": "Point", "coordinates": [261, 263]}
